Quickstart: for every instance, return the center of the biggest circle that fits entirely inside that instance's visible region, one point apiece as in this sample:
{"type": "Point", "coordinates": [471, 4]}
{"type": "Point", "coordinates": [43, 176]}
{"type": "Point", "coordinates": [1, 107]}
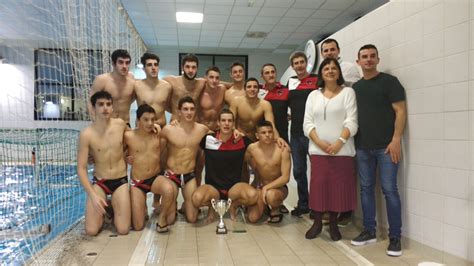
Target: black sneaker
{"type": "Point", "coordinates": [395, 247]}
{"type": "Point", "coordinates": [364, 238]}
{"type": "Point", "coordinates": [297, 211]}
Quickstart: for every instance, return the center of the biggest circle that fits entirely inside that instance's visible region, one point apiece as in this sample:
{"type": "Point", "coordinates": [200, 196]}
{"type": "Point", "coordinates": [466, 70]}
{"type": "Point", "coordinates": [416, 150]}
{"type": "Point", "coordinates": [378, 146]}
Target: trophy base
{"type": "Point", "coordinates": [221, 231]}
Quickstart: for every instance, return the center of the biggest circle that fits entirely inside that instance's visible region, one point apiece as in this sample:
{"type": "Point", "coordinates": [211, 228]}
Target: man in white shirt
{"type": "Point", "coordinates": [350, 73]}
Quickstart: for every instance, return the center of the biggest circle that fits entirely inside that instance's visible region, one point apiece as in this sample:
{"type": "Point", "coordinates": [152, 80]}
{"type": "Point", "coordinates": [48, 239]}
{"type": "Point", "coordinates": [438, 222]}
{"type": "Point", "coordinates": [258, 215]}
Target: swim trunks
{"type": "Point", "coordinates": [110, 185]}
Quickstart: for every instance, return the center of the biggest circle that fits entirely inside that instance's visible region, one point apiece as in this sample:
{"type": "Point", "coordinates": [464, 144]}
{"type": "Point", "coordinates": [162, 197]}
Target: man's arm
{"type": "Point", "coordinates": [163, 148]}
{"type": "Point", "coordinates": [394, 148]}
{"type": "Point", "coordinates": [97, 85]}
{"type": "Point", "coordinates": [226, 84]}
{"type": "Point", "coordinates": [268, 115]}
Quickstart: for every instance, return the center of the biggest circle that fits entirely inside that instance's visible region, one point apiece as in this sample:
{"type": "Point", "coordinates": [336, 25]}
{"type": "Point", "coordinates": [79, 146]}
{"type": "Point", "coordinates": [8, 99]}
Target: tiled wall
{"type": "Point", "coordinates": [429, 46]}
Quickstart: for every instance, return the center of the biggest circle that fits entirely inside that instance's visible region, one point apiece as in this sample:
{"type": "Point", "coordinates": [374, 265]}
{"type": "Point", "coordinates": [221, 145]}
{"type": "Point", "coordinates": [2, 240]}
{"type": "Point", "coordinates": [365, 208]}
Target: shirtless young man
{"type": "Point", "coordinates": [236, 88]}
{"type": "Point", "coordinates": [272, 165]}
{"type": "Point", "coordinates": [103, 139]}
{"type": "Point", "coordinates": [181, 144]}
{"type": "Point", "coordinates": [212, 99]}
{"type": "Point", "coordinates": [119, 83]}
{"type": "Point", "coordinates": [151, 90]}
{"type": "Point", "coordinates": [186, 84]}
{"type": "Point", "coordinates": [144, 145]}
{"type": "Point", "coordinates": [224, 164]}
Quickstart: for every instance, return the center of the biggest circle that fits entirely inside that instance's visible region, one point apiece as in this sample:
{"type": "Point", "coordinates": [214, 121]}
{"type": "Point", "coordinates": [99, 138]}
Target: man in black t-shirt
{"type": "Point", "coordinates": [224, 157]}
{"type": "Point", "coordinates": [382, 115]}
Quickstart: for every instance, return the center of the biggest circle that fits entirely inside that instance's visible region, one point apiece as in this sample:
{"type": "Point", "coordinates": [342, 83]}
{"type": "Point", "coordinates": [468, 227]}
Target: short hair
{"type": "Point", "coordinates": [226, 111]}
{"type": "Point", "coordinates": [297, 54]}
{"type": "Point", "coordinates": [327, 61]}
{"type": "Point", "coordinates": [144, 108]}
{"type": "Point", "coordinates": [185, 99]}
{"type": "Point", "coordinates": [190, 58]}
{"type": "Point", "coordinates": [330, 41]}
{"type": "Point", "coordinates": [267, 64]}
{"type": "Point", "coordinates": [236, 64]}
{"type": "Point", "coordinates": [147, 56]}
{"type": "Point", "coordinates": [264, 123]}
{"type": "Point", "coordinates": [213, 68]}
{"type": "Point", "coordinates": [102, 94]}
{"type": "Point", "coordinates": [119, 53]}
{"type": "Point", "coordinates": [367, 46]}
{"type": "Point", "coordinates": [251, 79]}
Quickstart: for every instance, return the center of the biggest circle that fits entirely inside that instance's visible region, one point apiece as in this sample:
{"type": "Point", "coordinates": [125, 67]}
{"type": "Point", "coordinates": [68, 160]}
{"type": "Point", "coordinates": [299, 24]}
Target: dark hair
{"type": "Point", "coordinates": [367, 46]}
{"type": "Point", "coordinates": [251, 79]}
{"type": "Point", "coordinates": [147, 56]}
{"type": "Point", "coordinates": [100, 95]}
{"type": "Point", "coordinates": [264, 123]}
{"type": "Point", "coordinates": [144, 108]}
{"type": "Point", "coordinates": [325, 62]}
{"type": "Point", "coordinates": [267, 64]}
{"type": "Point", "coordinates": [190, 58]}
{"type": "Point", "coordinates": [236, 64]}
{"type": "Point", "coordinates": [185, 99]}
{"type": "Point", "coordinates": [119, 53]}
{"type": "Point", "coordinates": [213, 68]}
{"type": "Point", "coordinates": [226, 111]}
{"type": "Point", "coordinates": [329, 41]}
{"type": "Point", "coordinates": [297, 54]}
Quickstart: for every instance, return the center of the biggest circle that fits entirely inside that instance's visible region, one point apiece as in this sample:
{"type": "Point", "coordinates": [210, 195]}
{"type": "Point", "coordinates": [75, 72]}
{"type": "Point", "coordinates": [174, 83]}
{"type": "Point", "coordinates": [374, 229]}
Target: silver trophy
{"type": "Point", "coordinates": [221, 207]}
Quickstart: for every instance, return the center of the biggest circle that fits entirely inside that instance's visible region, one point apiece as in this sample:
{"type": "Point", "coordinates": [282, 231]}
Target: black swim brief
{"type": "Point", "coordinates": [223, 194]}
{"type": "Point", "coordinates": [179, 179]}
{"type": "Point", "coordinates": [110, 185]}
{"type": "Point", "coordinates": [145, 184]}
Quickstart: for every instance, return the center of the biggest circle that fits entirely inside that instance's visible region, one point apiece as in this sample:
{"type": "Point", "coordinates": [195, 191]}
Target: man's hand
{"type": "Point", "coordinates": [98, 203]}
{"type": "Point", "coordinates": [174, 122]}
{"type": "Point", "coordinates": [238, 135]}
{"type": "Point", "coordinates": [156, 129]}
{"type": "Point", "coordinates": [264, 194]}
{"type": "Point", "coordinates": [395, 150]}
{"type": "Point", "coordinates": [282, 144]}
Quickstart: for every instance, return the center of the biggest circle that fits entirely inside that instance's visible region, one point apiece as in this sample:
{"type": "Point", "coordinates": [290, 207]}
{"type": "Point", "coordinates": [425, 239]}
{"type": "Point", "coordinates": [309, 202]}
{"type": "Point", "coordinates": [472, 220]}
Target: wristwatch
{"type": "Point", "coordinates": [343, 140]}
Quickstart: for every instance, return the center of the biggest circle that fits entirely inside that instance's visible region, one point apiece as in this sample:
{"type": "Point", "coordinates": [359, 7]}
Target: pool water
{"type": "Point", "coordinates": [28, 200]}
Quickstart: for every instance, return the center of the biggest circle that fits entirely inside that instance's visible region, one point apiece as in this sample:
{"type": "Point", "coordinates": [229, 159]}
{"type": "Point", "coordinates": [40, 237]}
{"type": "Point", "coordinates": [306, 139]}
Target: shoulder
{"type": "Point", "coordinates": [170, 79]}
{"type": "Point", "coordinates": [165, 83]}
{"type": "Point", "coordinates": [130, 77]}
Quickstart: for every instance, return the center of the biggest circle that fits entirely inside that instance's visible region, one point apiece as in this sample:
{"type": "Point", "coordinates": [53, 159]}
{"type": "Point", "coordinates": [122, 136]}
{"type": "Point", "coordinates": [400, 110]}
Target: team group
{"type": "Point", "coordinates": [229, 127]}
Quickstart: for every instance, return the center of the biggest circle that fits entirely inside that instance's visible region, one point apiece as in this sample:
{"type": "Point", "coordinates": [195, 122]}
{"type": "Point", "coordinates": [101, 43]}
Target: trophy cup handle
{"type": "Point", "coordinates": [213, 203]}
{"type": "Point", "coordinates": [229, 202]}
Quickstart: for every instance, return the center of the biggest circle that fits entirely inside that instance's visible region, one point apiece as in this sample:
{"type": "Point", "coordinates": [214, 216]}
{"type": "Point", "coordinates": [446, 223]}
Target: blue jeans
{"type": "Point", "coordinates": [367, 162]}
{"type": "Point", "coordinates": [299, 151]}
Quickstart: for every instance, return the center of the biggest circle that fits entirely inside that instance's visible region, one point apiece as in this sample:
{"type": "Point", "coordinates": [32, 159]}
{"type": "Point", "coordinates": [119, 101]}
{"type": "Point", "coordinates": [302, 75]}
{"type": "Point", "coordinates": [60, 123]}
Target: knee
{"type": "Point", "coordinates": [252, 195]}
{"type": "Point", "coordinates": [191, 218]}
{"type": "Point", "coordinates": [138, 226]}
{"type": "Point", "coordinates": [253, 218]}
{"type": "Point", "coordinates": [92, 231]}
{"type": "Point", "coordinates": [197, 199]}
{"type": "Point", "coordinates": [123, 230]}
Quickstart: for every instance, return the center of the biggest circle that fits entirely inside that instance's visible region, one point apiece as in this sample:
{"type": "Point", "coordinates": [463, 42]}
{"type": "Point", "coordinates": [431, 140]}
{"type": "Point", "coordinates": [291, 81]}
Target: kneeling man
{"type": "Point", "coordinates": [143, 144]}
{"type": "Point", "coordinates": [271, 164]}
{"type": "Point", "coordinates": [103, 139]}
{"type": "Point", "coordinates": [224, 163]}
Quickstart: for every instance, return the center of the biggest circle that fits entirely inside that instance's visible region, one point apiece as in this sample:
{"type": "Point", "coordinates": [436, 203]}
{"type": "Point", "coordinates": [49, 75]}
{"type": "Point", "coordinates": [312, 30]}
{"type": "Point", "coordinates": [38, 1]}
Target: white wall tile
{"type": "Point", "coordinates": [433, 99]}
{"type": "Point", "coordinates": [433, 206]}
{"type": "Point", "coordinates": [396, 11]}
{"type": "Point", "coordinates": [412, 51]}
{"type": "Point", "coordinates": [456, 68]}
{"type": "Point", "coordinates": [413, 225]}
{"type": "Point", "coordinates": [471, 95]}
{"type": "Point", "coordinates": [456, 154]}
{"type": "Point", "coordinates": [456, 39]}
{"type": "Point", "coordinates": [412, 78]}
{"type": "Point", "coordinates": [433, 152]}
{"type": "Point", "coordinates": [413, 201]}
{"type": "Point", "coordinates": [457, 212]}
{"type": "Point", "coordinates": [472, 164]}
{"type": "Point", "coordinates": [471, 64]}
{"type": "Point", "coordinates": [414, 152]}
{"type": "Point", "coordinates": [431, 72]}
{"type": "Point", "coordinates": [456, 240]}
{"type": "Point", "coordinates": [455, 12]}
{"type": "Point", "coordinates": [414, 102]}
{"type": "Point", "coordinates": [415, 173]}
{"type": "Point", "coordinates": [397, 58]}
{"type": "Point", "coordinates": [432, 19]}
{"type": "Point", "coordinates": [456, 125]}
{"type": "Point", "coordinates": [414, 27]}
{"type": "Point", "coordinates": [433, 179]}
{"type": "Point", "coordinates": [456, 183]}
{"type": "Point", "coordinates": [471, 28]}
{"type": "Point", "coordinates": [433, 233]}
{"type": "Point", "coordinates": [426, 126]}
{"type": "Point", "coordinates": [397, 33]}
{"type": "Point", "coordinates": [412, 7]}
{"type": "Point", "coordinates": [456, 96]}
{"type": "Point", "coordinates": [433, 45]}
{"type": "Point", "coordinates": [381, 38]}
{"type": "Point", "coordinates": [430, 3]}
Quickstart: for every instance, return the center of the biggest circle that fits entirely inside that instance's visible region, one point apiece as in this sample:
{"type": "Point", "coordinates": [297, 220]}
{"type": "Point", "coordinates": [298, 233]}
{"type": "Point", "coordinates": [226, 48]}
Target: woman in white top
{"type": "Point", "coordinates": [330, 122]}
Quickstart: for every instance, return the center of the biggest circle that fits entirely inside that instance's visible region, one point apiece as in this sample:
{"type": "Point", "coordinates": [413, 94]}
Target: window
{"type": "Point", "coordinates": [62, 81]}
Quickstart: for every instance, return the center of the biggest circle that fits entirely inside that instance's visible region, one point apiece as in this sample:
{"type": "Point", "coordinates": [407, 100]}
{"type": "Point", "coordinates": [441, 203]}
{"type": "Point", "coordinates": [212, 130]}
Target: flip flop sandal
{"type": "Point", "coordinates": [274, 219]}
{"type": "Point", "coordinates": [162, 229]}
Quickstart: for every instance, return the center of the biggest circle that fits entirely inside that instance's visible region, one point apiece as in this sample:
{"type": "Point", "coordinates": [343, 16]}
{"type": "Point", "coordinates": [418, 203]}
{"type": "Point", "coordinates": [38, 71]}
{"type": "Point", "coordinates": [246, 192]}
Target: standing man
{"type": "Point", "coordinates": [300, 86]}
{"type": "Point", "coordinates": [144, 145]}
{"type": "Point", "coordinates": [186, 84]}
{"type": "Point", "coordinates": [382, 115]}
{"type": "Point", "coordinates": [110, 169]}
{"type": "Point", "coordinates": [151, 90]}
{"type": "Point", "coordinates": [237, 73]}
{"type": "Point", "coordinates": [212, 99]}
{"type": "Point", "coordinates": [224, 164]}
{"type": "Point", "coordinates": [272, 165]}
{"type": "Point", "coordinates": [181, 144]}
{"type": "Point", "coordinates": [350, 73]}
{"type": "Point", "coordinates": [119, 83]}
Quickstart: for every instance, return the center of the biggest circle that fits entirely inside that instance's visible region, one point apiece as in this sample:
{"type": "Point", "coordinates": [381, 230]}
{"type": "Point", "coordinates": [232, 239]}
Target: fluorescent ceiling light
{"type": "Point", "coordinates": [189, 17]}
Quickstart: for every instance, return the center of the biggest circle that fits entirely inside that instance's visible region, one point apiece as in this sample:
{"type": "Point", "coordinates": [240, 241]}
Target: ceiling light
{"type": "Point", "coordinates": [256, 34]}
{"type": "Point", "coordinates": [189, 17]}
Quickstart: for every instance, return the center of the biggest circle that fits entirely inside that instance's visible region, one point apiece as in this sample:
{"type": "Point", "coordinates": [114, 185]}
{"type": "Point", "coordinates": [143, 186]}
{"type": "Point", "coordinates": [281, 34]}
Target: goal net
{"type": "Point", "coordinates": [50, 52]}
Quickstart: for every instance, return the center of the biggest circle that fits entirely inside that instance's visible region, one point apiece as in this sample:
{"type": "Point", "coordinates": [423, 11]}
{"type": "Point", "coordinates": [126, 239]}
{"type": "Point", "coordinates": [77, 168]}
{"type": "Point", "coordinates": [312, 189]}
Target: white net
{"type": "Point", "coordinates": [50, 52]}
